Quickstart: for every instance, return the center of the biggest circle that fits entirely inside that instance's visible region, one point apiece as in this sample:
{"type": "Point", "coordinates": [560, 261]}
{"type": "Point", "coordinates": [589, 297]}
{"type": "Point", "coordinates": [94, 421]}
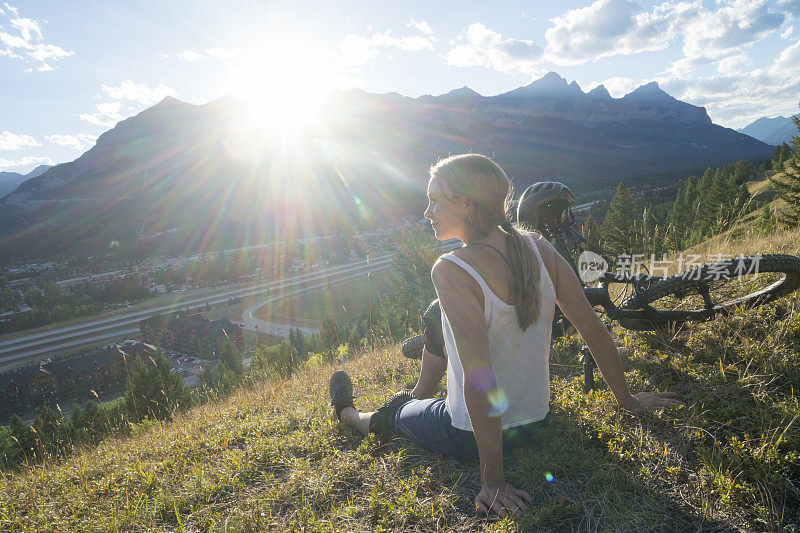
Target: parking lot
{"type": "Point", "coordinates": [189, 367]}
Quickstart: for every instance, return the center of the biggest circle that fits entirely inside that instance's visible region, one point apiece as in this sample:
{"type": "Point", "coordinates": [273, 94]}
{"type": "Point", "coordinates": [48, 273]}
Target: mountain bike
{"type": "Point", "coordinates": [643, 302]}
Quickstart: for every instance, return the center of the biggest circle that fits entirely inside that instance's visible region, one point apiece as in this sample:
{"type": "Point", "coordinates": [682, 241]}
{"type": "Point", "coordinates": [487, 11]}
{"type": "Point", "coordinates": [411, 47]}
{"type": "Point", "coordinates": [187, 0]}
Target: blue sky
{"type": "Point", "coordinates": [71, 70]}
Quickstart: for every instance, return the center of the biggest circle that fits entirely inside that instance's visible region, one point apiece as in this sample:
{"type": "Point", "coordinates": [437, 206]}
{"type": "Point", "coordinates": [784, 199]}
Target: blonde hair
{"type": "Point", "coordinates": [481, 180]}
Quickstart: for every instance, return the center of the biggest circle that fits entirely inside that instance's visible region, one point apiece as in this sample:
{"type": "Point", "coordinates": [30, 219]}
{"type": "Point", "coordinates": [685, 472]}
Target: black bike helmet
{"type": "Point", "coordinates": [544, 204]}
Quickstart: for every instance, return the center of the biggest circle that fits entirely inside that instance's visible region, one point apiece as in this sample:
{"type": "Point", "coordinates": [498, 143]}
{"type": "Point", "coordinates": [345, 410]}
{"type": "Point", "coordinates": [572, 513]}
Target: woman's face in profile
{"type": "Point", "coordinates": [447, 217]}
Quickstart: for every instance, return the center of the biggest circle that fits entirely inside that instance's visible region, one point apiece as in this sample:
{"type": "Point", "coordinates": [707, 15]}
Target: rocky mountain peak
{"type": "Point", "coordinates": [462, 92]}
{"type": "Point", "coordinates": [649, 91]}
{"type": "Point", "coordinates": [38, 171]}
{"type": "Point", "coordinates": [599, 92]}
{"type": "Point", "coordinates": [550, 85]}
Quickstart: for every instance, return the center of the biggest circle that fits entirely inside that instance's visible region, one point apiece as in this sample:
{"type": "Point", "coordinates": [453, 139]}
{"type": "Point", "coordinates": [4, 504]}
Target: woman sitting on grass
{"type": "Point", "coordinates": [498, 294]}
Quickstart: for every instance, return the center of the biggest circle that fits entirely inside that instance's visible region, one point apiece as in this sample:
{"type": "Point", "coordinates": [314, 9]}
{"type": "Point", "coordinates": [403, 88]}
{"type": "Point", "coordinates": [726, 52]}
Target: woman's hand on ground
{"type": "Point", "coordinates": [642, 401]}
{"type": "Point", "coordinates": [502, 498]}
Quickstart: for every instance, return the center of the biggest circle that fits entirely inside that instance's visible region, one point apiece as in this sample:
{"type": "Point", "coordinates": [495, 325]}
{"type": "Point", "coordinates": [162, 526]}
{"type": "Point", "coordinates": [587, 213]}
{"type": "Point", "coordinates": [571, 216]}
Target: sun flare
{"type": "Point", "coordinates": [282, 88]}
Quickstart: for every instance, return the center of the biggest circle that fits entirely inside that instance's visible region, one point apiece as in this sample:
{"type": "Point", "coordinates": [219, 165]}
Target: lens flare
{"type": "Point", "coordinates": [498, 400]}
{"type": "Point", "coordinates": [549, 477]}
{"type": "Point", "coordinates": [483, 378]}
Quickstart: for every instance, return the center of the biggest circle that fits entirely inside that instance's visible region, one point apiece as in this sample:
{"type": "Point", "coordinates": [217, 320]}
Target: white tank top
{"type": "Point", "coordinates": [520, 359]}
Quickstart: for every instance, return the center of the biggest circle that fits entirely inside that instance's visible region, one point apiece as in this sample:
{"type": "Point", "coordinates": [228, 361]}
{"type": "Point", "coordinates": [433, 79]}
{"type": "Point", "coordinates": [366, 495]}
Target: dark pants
{"type": "Point", "coordinates": [428, 424]}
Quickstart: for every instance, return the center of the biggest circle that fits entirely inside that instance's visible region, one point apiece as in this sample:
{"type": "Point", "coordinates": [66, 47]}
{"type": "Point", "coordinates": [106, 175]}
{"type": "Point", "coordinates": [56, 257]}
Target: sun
{"type": "Point", "coordinates": [282, 87]}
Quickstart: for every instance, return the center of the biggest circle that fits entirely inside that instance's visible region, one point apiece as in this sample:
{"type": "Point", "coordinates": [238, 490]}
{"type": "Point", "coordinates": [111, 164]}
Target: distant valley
{"type": "Point", "coordinates": [183, 178]}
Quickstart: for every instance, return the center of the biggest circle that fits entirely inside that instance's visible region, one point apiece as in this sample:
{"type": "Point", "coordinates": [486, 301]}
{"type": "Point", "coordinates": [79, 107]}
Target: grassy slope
{"type": "Point", "coordinates": [344, 300]}
{"type": "Point", "coordinates": [745, 234]}
{"type": "Point", "coordinates": [270, 457]}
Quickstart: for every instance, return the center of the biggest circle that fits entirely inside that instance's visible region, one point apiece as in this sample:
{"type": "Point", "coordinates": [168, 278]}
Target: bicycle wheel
{"type": "Point", "coordinates": [721, 287]}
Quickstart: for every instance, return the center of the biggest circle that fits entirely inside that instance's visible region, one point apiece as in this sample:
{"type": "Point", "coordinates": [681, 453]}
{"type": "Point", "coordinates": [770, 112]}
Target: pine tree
{"type": "Point", "coordinates": [591, 232]}
{"type": "Point", "coordinates": [300, 345]}
{"type": "Point", "coordinates": [49, 430]}
{"type": "Point", "coordinates": [95, 422]}
{"type": "Point", "coordinates": [410, 288]}
{"type": "Point", "coordinates": [766, 220]}
{"type": "Point", "coordinates": [232, 358]}
{"type": "Point", "coordinates": [23, 437]}
{"type": "Point", "coordinates": [153, 391]}
{"type": "Point", "coordinates": [649, 234]}
{"type": "Point", "coordinates": [619, 226]}
{"type": "Point", "coordinates": [743, 171]}
{"type": "Point", "coordinates": [782, 154]}
{"type": "Point", "coordinates": [330, 336]}
{"type": "Point", "coordinates": [705, 206]}
{"type": "Point", "coordinates": [278, 360]}
{"type": "Point", "coordinates": [788, 182]}
{"type": "Point", "coordinates": [678, 219]}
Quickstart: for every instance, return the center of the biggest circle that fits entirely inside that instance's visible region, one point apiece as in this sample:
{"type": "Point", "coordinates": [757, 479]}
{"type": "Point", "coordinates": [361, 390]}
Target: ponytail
{"type": "Point", "coordinates": [525, 276]}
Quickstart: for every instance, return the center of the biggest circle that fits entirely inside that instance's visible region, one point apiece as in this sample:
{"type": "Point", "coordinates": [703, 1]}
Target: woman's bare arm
{"type": "Point", "coordinates": [456, 291]}
{"type": "Point", "coordinates": [462, 300]}
{"type": "Point", "coordinates": [578, 310]}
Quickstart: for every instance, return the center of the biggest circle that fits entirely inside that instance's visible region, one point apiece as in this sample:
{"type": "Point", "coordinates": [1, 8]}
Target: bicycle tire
{"type": "Point", "coordinates": [727, 289]}
{"type": "Point", "coordinates": [412, 347]}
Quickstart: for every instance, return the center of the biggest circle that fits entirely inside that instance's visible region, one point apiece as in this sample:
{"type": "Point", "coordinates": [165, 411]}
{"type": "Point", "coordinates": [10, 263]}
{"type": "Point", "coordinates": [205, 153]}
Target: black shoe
{"type": "Point", "coordinates": [341, 391]}
{"type": "Point", "coordinates": [382, 421]}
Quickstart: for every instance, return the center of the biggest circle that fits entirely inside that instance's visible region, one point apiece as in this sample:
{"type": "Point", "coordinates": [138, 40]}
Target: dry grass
{"type": "Point", "coordinates": [271, 458]}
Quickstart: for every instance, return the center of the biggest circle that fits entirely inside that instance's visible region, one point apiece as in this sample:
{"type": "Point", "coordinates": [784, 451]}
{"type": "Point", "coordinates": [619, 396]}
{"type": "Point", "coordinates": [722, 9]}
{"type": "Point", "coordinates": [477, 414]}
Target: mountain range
{"type": "Point", "coordinates": [11, 180]}
{"type": "Point", "coordinates": [771, 130]}
{"type": "Point", "coordinates": [180, 178]}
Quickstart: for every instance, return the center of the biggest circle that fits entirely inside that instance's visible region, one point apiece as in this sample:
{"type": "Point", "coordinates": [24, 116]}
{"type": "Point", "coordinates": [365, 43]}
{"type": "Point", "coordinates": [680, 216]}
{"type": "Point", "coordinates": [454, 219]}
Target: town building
{"type": "Point", "coordinates": [52, 382]}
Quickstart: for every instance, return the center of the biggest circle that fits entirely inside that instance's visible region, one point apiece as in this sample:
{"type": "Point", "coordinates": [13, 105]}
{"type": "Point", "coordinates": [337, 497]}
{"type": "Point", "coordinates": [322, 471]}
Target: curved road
{"type": "Point", "coordinates": [18, 349]}
{"type": "Point", "coordinates": [21, 348]}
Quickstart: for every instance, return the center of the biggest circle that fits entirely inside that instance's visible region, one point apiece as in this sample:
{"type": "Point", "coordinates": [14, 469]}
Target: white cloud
{"type": "Point", "coordinates": [25, 162]}
{"type": "Point", "coordinates": [29, 29]}
{"type": "Point", "coordinates": [787, 65]}
{"type": "Point", "coordinates": [12, 141]}
{"type": "Point", "coordinates": [617, 86]}
{"type": "Point", "coordinates": [414, 44]}
{"type": "Point", "coordinates": [619, 27]}
{"type": "Point", "coordinates": [357, 50]}
{"type": "Point", "coordinates": [737, 97]}
{"type": "Point", "coordinates": [80, 141]}
{"type": "Point", "coordinates": [188, 55]}
{"type": "Point", "coordinates": [43, 52]}
{"type": "Point", "coordinates": [481, 46]}
{"type": "Point", "coordinates": [614, 27]}
{"type": "Point", "coordinates": [736, 94]}
{"type": "Point", "coordinates": [791, 7]}
{"type": "Point", "coordinates": [733, 64]}
{"type": "Point", "coordinates": [28, 43]}
{"type": "Point", "coordinates": [107, 114]}
{"type": "Point", "coordinates": [787, 32]}
{"type": "Point", "coordinates": [713, 35]}
{"type": "Point", "coordinates": [14, 41]}
{"type": "Point", "coordinates": [138, 92]}
{"type": "Point", "coordinates": [422, 26]}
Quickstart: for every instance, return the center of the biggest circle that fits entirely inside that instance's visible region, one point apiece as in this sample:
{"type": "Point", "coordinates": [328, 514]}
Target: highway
{"type": "Point", "coordinates": [38, 344]}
